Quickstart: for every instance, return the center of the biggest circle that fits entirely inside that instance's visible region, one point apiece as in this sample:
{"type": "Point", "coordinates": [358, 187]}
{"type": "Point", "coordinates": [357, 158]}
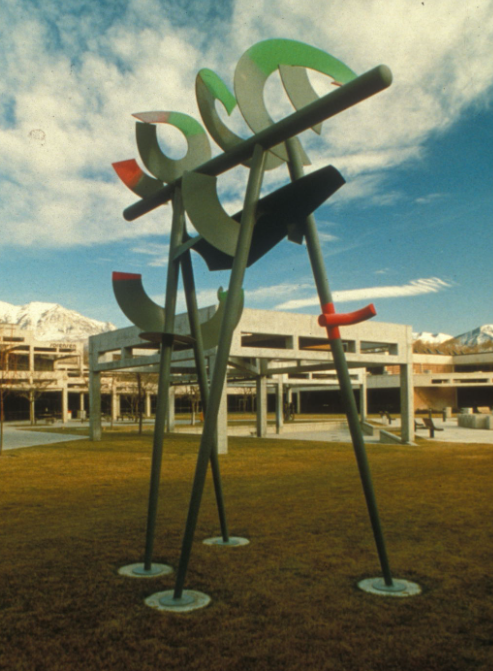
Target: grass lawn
{"type": "Point", "coordinates": [73, 513]}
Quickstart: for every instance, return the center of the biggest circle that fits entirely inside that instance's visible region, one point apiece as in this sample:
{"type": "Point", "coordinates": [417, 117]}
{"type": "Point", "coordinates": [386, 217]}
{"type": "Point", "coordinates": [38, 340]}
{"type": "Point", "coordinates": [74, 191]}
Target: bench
{"type": "Point", "coordinates": [49, 419]}
{"type": "Point", "coordinates": [428, 424]}
{"type": "Point", "coordinates": [386, 414]}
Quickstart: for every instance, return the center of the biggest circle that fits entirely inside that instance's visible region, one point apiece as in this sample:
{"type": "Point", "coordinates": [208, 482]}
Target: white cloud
{"type": "Point", "coordinates": [413, 288]}
{"type": "Point", "coordinates": [76, 72]}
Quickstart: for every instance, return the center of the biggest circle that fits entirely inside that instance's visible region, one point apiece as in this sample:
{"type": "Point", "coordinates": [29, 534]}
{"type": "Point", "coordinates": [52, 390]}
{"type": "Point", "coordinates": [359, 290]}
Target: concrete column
{"type": "Point", "coordinates": [279, 405]}
{"type": "Point", "coordinates": [261, 385]}
{"type": "Point", "coordinates": [115, 403]}
{"type": "Point", "coordinates": [222, 415]}
{"type": "Point", "coordinates": [94, 394]}
{"type": "Point", "coordinates": [170, 419]}
{"type": "Point", "coordinates": [64, 404]}
{"type": "Point", "coordinates": [407, 403]}
{"type": "Point", "coordinates": [148, 404]}
{"type": "Point", "coordinates": [363, 399]}
{"type": "Point", "coordinates": [82, 405]}
{"type": "Point", "coordinates": [32, 407]}
{"type": "Point", "coordinates": [95, 405]}
{"type": "Point", "coordinates": [298, 402]}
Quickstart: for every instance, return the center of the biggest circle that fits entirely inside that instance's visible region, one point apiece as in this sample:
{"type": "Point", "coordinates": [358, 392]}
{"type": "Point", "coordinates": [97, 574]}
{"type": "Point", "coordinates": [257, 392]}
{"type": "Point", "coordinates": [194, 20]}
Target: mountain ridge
{"type": "Point", "coordinates": [52, 322]}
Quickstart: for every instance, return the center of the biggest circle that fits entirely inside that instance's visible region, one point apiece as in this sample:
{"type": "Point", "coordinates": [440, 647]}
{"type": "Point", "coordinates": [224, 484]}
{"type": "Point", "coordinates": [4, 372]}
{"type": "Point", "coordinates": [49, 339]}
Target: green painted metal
{"type": "Point", "coordinates": [261, 60]}
{"type": "Point", "coordinates": [164, 380]}
{"type": "Point", "coordinates": [161, 166]}
{"type": "Point", "coordinates": [199, 346]}
{"type": "Point", "coordinates": [333, 103]}
{"type": "Point", "coordinates": [347, 395]}
{"type": "Point", "coordinates": [209, 87]}
{"type": "Point", "coordinates": [220, 368]}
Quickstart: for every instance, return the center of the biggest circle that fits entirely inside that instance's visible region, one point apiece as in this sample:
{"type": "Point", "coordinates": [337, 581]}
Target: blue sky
{"type": "Point", "coordinates": [411, 230]}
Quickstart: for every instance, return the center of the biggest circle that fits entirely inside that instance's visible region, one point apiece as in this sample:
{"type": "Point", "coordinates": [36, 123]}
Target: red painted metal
{"type": "Point", "coordinates": [332, 319]}
{"type": "Point", "coordinates": [118, 277]}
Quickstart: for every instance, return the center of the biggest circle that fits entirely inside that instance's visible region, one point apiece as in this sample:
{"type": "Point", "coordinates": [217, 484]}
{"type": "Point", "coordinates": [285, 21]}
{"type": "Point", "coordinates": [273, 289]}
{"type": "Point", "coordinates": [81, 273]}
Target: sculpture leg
{"type": "Point", "coordinates": [193, 316]}
{"type": "Point", "coordinates": [164, 377]}
{"type": "Point", "coordinates": [219, 374]}
{"type": "Point", "coordinates": [324, 293]}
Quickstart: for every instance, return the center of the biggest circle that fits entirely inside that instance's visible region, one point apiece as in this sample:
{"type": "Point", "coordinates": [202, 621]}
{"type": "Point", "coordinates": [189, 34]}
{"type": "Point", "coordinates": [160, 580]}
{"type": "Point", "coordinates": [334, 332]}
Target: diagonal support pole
{"type": "Point", "coordinates": [164, 379]}
{"type": "Point", "coordinates": [193, 316]}
{"type": "Point", "coordinates": [325, 296]}
{"type": "Point", "coordinates": [219, 375]}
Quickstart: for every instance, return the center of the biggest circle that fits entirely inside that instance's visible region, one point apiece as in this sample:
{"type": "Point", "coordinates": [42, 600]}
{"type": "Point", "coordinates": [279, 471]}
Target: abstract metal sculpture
{"type": "Point", "coordinates": [237, 242]}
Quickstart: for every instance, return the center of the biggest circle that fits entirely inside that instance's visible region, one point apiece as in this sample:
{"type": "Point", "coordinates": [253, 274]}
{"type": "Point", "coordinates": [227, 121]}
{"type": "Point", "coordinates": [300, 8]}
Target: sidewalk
{"type": "Point", "coordinates": [451, 433]}
{"type": "Point", "coordinates": [15, 437]}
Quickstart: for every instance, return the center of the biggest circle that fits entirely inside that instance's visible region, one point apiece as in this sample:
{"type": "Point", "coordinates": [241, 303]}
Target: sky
{"type": "Point", "coordinates": [410, 231]}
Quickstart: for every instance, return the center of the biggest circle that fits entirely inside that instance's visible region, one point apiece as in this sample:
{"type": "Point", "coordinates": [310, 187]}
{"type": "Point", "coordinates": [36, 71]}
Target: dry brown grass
{"type": "Point", "coordinates": [73, 513]}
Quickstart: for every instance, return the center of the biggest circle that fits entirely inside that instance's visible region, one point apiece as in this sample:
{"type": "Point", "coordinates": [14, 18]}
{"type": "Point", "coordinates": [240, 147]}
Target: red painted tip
{"type": "Point", "coordinates": [118, 277]}
{"type": "Point", "coordinates": [152, 117]}
{"type": "Point", "coordinates": [128, 171]}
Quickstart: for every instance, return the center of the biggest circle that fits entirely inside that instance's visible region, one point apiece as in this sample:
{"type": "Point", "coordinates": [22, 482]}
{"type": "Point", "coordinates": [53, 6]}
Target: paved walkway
{"type": "Point", "coordinates": [14, 437]}
{"type": "Point", "coordinates": [451, 433]}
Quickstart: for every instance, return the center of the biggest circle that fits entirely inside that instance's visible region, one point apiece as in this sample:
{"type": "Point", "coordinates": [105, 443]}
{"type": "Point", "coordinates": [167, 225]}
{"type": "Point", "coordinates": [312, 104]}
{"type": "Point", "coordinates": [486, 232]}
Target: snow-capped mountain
{"type": "Point", "coordinates": [432, 338]}
{"type": "Point", "coordinates": [478, 336]}
{"type": "Point", "coordinates": [50, 321]}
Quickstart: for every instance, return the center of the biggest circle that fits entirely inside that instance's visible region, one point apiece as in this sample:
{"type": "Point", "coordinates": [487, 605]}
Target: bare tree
{"type": "Point", "coordinates": [192, 394]}
{"type": "Point", "coordinates": [145, 382]}
{"type": "Point", "coordinates": [8, 363]}
{"type": "Point", "coordinates": [32, 392]}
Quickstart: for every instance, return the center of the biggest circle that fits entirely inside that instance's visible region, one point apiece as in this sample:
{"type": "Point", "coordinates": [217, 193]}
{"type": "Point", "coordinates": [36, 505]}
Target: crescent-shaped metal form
{"type": "Point", "coordinates": [209, 87]}
{"type": "Point", "coordinates": [335, 102]}
{"type": "Point", "coordinates": [260, 61]}
{"type": "Point", "coordinates": [207, 214]}
{"type": "Point", "coordinates": [136, 179]}
{"type": "Point", "coordinates": [280, 213]}
{"type": "Point", "coordinates": [161, 166]}
{"type": "Point", "coordinates": [149, 316]}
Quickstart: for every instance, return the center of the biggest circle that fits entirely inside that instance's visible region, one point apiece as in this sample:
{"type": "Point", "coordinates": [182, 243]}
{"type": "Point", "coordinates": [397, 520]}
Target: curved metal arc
{"type": "Point", "coordinates": [136, 179]}
{"type": "Point", "coordinates": [209, 87]}
{"type": "Point", "coordinates": [261, 60]}
{"type": "Point", "coordinates": [161, 166]}
{"type": "Point", "coordinates": [207, 214]}
{"type": "Point", "coordinates": [278, 214]}
{"type": "Point", "coordinates": [149, 316]}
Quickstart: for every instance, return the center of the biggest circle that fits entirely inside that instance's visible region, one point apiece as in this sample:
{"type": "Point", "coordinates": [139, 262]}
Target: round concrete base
{"type": "Point", "coordinates": [138, 571]}
{"type": "Point", "coordinates": [401, 588]}
{"type": "Point", "coordinates": [189, 600]}
{"type": "Point", "coordinates": [233, 541]}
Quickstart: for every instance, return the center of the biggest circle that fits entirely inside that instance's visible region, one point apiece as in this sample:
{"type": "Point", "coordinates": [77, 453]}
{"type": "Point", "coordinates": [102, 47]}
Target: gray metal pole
{"type": "Point", "coordinates": [219, 375]}
{"type": "Point", "coordinates": [164, 376]}
{"type": "Point", "coordinates": [193, 316]}
{"type": "Point", "coordinates": [347, 394]}
{"type": "Point", "coordinates": [338, 100]}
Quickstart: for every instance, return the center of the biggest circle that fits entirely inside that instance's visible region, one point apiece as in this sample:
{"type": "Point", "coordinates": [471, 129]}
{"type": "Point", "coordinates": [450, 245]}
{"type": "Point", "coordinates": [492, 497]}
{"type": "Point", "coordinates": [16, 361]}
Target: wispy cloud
{"type": "Point", "coordinates": [413, 288]}
{"type": "Point", "coordinates": [430, 198]}
{"type": "Point", "coordinates": [157, 252]}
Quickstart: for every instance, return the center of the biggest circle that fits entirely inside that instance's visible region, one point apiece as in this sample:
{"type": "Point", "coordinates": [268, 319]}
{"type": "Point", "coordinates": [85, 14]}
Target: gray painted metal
{"type": "Point", "coordinates": [325, 296]}
{"type": "Point", "coordinates": [164, 380]}
{"type": "Point", "coordinates": [220, 367]}
{"type": "Point", "coordinates": [161, 166]}
{"type": "Point", "coordinates": [279, 214]}
{"type": "Point", "coordinates": [150, 317]}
